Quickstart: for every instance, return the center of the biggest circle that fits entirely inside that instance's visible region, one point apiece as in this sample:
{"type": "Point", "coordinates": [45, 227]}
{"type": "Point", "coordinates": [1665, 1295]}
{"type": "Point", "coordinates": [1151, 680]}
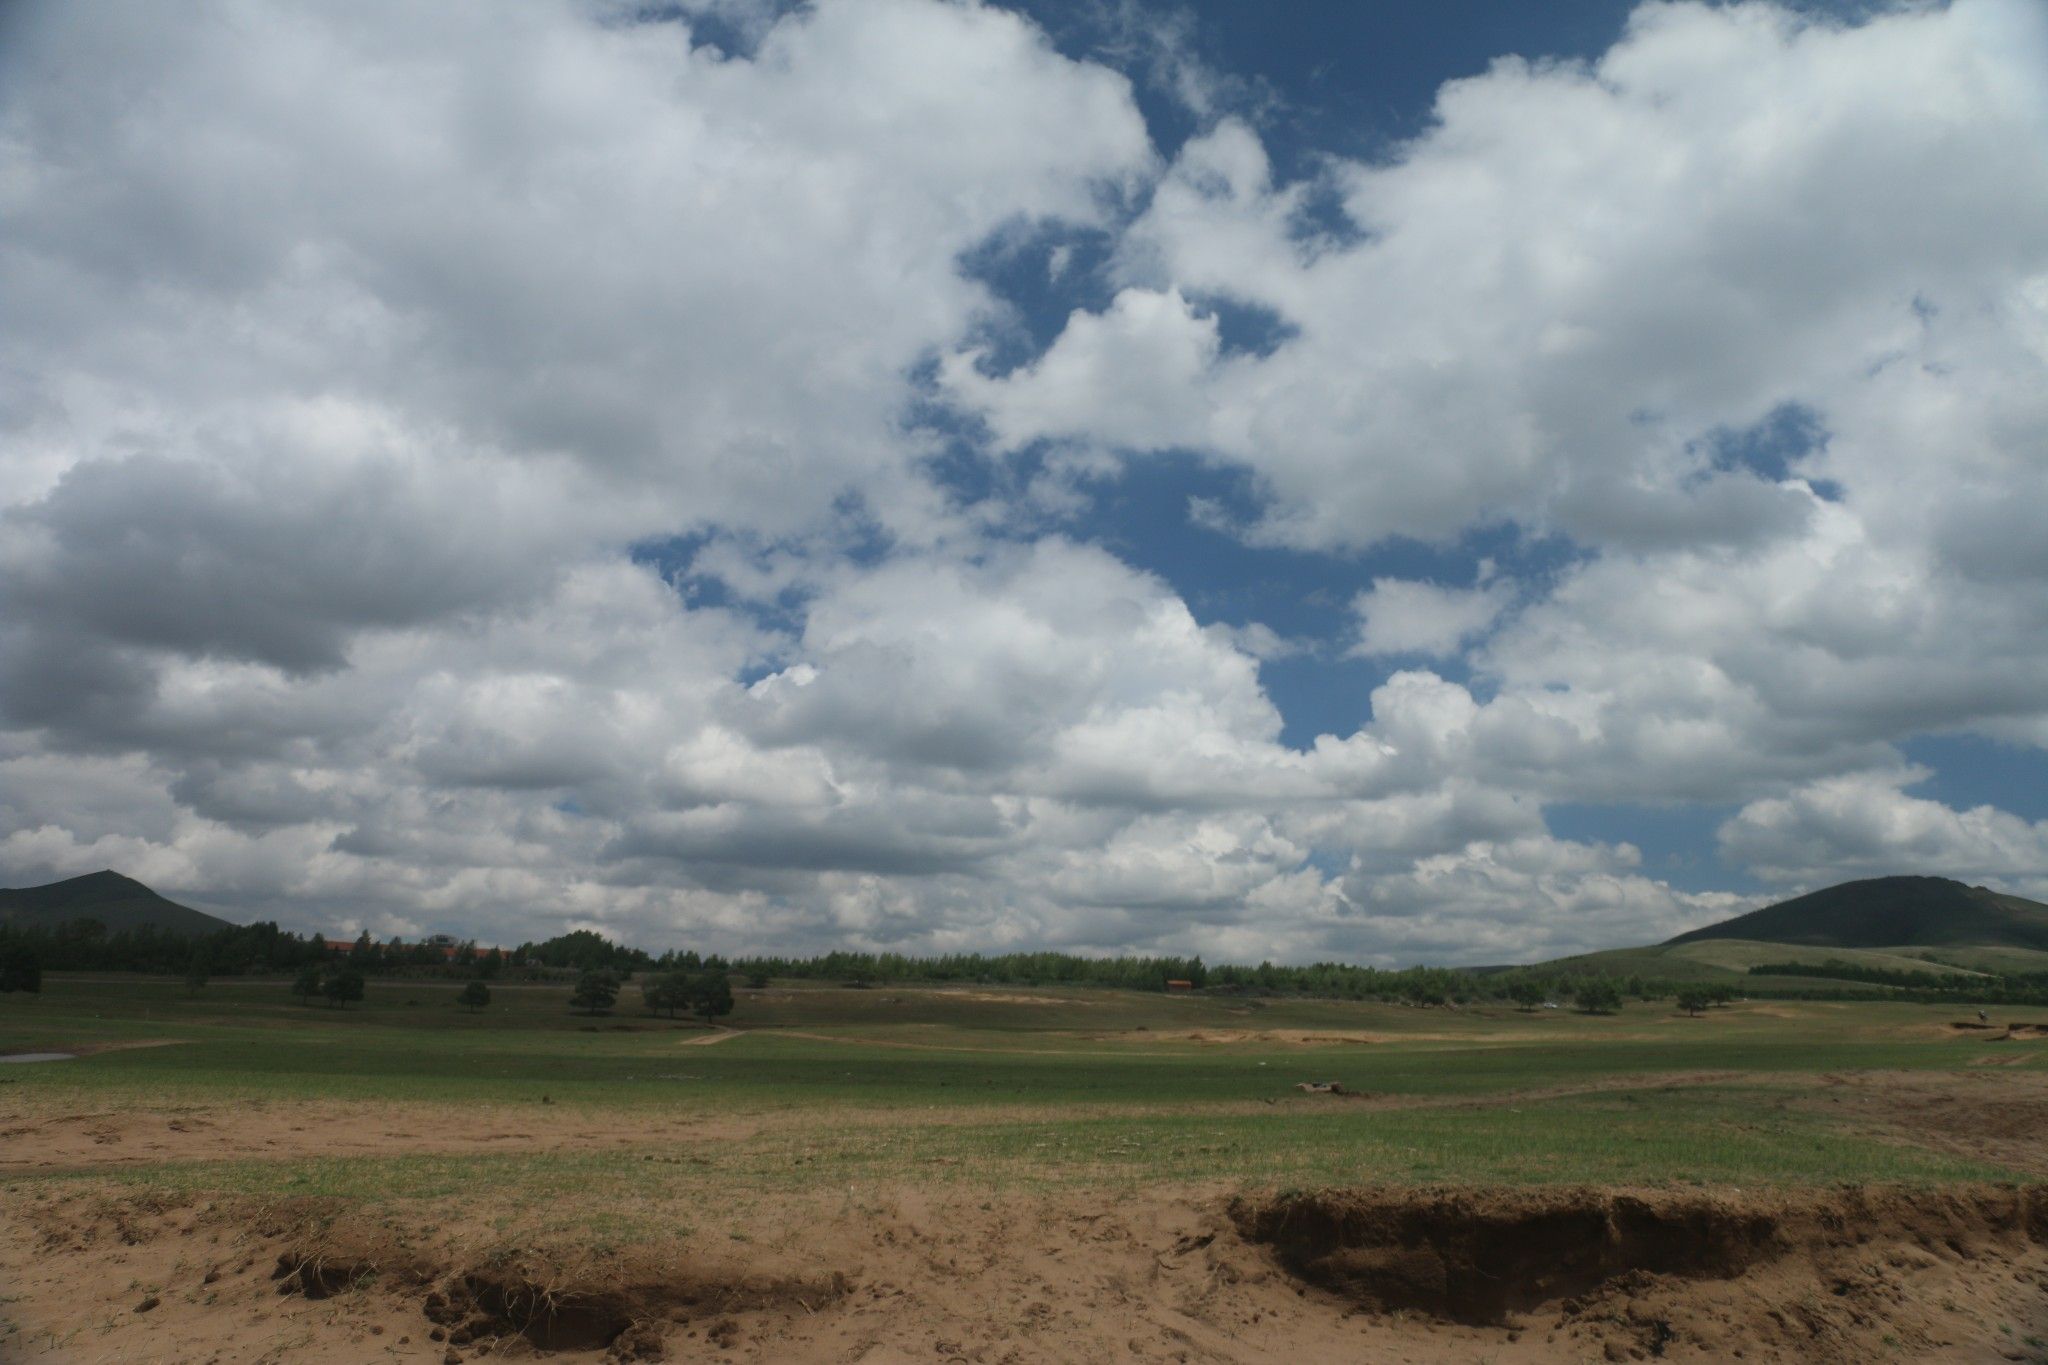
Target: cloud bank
{"type": "Point", "coordinates": [497, 470]}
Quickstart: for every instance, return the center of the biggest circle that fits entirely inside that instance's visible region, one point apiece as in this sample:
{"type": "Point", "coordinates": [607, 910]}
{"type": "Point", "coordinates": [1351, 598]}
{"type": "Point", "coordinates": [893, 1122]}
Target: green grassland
{"type": "Point", "coordinates": [2001, 960]}
{"type": "Point", "coordinates": [1723, 959]}
{"type": "Point", "coordinates": [832, 1087]}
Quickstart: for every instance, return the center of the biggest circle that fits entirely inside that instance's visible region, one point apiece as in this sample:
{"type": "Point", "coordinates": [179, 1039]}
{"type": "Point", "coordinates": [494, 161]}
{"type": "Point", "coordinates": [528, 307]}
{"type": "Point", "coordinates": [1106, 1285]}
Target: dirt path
{"type": "Point", "coordinates": [723, 1035]}
{"type": "Point", "coordinates": [126, 1045]}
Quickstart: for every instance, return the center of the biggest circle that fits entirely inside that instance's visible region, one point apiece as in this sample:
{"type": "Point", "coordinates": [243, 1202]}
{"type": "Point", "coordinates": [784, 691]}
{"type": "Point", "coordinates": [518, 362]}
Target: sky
{"type": "Point", "coordinates": [1391, 483]}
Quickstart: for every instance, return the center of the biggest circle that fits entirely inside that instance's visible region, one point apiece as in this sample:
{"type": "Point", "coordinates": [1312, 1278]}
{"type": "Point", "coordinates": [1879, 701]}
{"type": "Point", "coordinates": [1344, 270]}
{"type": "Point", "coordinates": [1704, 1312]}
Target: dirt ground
{"type": "Point", "coordinates": [943, 1273]}
{"type": "Point", "coordinates": [1189, 1275]}
{"type": "Point", "coordinates": [130, 1137]}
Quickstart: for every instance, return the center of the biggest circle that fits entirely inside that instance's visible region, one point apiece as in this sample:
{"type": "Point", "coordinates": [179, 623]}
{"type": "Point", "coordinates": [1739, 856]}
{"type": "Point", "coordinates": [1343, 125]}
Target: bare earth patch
{"type": "Point", "coordinates": [1181, 1275]}
{"type": "Point", "coordinates": [93, 1271]}
{"type": "Point", "coordinates": [1998, 1117]}
{"type": "Point", "coordinates": [96, 1138]}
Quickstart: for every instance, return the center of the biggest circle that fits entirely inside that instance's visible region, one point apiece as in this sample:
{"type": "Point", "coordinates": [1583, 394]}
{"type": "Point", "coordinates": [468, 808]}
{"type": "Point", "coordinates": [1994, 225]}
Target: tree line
{"type": "Point", "coordinates": [2013, 988]}
{"type": "Point", "coordinates": [265, 949]}
{"type": "Point", "coordinates": [87, 945]}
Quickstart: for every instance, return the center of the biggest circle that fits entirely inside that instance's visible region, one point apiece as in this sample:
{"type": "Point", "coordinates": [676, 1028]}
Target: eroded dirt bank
{"type": "Point", "coordinates": [1959, 1274]}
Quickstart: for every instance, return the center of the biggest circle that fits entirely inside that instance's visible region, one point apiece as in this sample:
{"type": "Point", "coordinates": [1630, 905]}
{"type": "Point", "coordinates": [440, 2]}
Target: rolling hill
{"type": "Point", "coordinates": [1891, 912]}
{"type": "Point", "coordinates": [114, 900]}
{"type": "Point", "coordinates": [1927, 924]}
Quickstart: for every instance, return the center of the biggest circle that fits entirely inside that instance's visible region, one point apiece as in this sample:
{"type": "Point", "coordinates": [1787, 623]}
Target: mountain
{"type": "Point", "coordinates": [114, 900]}
{"type": "Point", "coordinates": [1891, 912]}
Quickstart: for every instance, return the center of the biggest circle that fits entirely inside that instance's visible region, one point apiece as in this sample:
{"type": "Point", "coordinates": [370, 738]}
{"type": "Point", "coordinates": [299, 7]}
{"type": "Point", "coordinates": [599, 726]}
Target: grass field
{"type": "Point", "coordinates": [1726, 959]}
{"type": "Point", "coordinates": [535, 1124]}
{"type": "Point", "coordinates": [1141, 1084]}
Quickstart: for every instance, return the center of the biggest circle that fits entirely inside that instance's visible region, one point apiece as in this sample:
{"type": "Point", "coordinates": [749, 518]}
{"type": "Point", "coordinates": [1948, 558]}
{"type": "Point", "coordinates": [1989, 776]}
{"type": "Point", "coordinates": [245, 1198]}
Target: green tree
{"type": "Point", "coordinates": [666, 992]}
{"type": "Point", "coordinates": [342, 987]}
{"type": "Point", "coordinates": [1527, 992]}
{"type": "Point", "coordinates": [474, 996]}
{"type": "Point", "coordinates": [596, 990]}
{"type": "Point", "coordinates": [20, 969]}
{"type": "Point", "coordinates": [710, 995]}
{"type": "Point", "coordinates": [197, 969]}
{"type": "Point", "coordinates": [1598, 995]}
{"type": "Point", "coordinates": [1693, 999]}
{"type": "Point", "coordinates": [306, 984]}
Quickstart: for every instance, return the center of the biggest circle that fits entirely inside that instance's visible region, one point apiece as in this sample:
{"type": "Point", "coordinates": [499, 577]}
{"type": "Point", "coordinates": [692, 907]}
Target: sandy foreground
{"type": "Point", "coordinates": [947, 1272]}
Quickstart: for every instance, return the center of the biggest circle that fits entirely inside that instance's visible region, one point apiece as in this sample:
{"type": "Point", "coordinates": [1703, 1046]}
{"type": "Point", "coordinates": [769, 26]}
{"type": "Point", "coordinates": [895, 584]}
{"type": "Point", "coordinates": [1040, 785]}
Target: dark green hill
{"type": "Point", "coordinates": [114, 900]}
{"type": "Point", "coordinates": [1891, 912]}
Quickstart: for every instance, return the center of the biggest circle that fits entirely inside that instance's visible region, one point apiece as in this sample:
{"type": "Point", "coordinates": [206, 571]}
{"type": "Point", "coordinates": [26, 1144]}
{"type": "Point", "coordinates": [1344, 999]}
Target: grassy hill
{"type": "Point", "coordinates": [114, 900]}
{"type": "Point", "coordinates": [1894, 924]}
{"type": "Point", "coordinates": [1725, 958]}
{"type": "Point", "coordinates": [1891, 912]}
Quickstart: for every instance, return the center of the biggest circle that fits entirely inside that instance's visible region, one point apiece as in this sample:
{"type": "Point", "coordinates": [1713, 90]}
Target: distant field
{"type": "Point", "coordinates": [1723, 958]}
{"type": "Point", "coordinates": [1999, 960]}
{"type": "Point", "coordinates": [527, 1120]}
{"type": "Point", "coordinates": [1157, 1063]}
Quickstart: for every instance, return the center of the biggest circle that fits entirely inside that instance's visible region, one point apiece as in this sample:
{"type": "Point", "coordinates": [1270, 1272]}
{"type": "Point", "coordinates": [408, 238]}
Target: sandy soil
{"type": "Point", "coordinates": [1187, 1275]}
{"type": "Point", "coordinates": [954, 1273]}
{"type": "Point", "coordinates": [94, 1138]}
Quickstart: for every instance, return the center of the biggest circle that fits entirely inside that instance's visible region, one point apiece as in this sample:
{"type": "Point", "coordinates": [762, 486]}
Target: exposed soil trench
{"type": "Point", "coordinates": [1482, 1258]}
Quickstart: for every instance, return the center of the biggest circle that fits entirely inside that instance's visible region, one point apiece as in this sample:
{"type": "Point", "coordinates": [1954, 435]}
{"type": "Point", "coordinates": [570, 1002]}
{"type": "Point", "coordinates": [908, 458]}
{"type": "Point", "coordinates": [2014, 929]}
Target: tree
{"type": "Point", "coordinates": [596, 990]}
{"type": "Point", "coordinates": [666, 992]}
{"type": "Point", "coordinates": [1598, 995]}
{"type": "Point", "coordinates": [474, 996]}
{"type": "Point", "coordinates": [20, 969]}
{"type": "Point", "coordinates": [1527, 992]}
{"type": "Point", "coordinates": [583, 949]}
{"type": "Point", "coordinates": [197, 968]}
{"type": "Point", "coordinates": [342, 987]}
{"type": "Point", "coordinates": [710, 995]}
{"type": "Point", "coordinates": [1693, 999]}
{"type": "Point", "coordinates": [306, 984]}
